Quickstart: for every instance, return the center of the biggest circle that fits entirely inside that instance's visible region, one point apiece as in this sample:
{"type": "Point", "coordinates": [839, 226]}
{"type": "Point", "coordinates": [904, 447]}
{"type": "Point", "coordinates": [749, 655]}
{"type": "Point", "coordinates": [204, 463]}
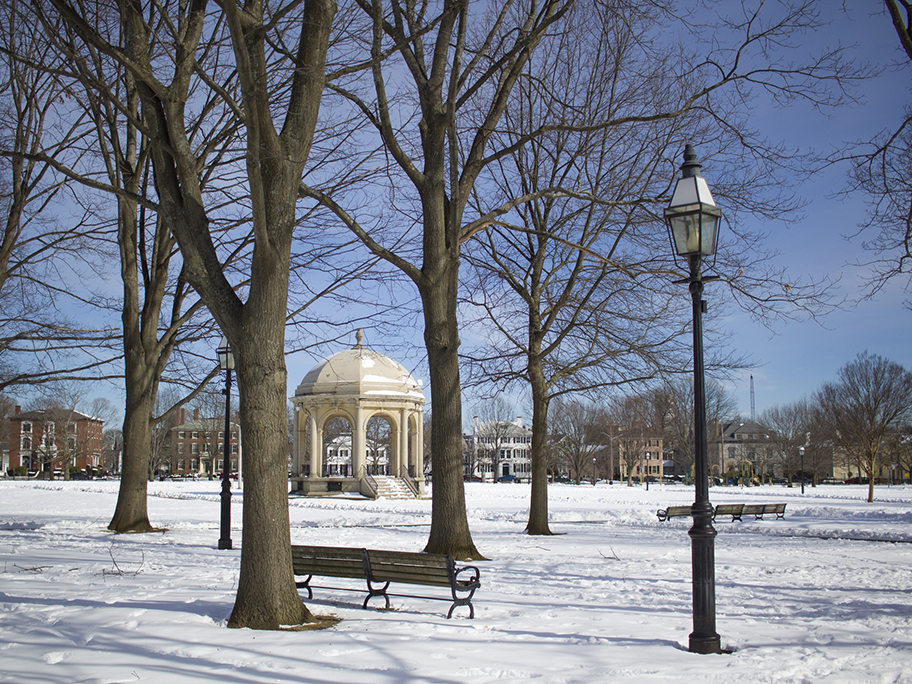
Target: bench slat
{"type": "Point", "coordinates": [734, 510]}
{"type": "Point", "coordinates": [673, 512]}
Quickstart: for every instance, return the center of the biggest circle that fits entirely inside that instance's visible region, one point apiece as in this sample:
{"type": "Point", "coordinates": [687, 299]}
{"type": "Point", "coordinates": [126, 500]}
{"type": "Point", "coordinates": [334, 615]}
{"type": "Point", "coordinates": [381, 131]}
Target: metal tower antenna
{"type": "Point", "coordinates": [753, 411]}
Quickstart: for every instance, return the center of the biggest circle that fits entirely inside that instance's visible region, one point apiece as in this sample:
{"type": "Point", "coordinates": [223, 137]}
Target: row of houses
{"type": "Point", "coordinates": [737, 451]}
{"type": "Point", "coordinates": [55, 440]}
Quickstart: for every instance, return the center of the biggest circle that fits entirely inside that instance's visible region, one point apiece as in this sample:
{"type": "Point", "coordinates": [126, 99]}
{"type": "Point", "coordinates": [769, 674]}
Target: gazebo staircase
{"type": "Point", "coordinates": [388, 487]}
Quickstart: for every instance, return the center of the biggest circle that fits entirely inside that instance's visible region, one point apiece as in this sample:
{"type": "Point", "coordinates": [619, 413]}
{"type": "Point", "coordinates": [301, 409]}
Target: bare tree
{"type": "Point", "coordinates": [572, 285]}
{"type": "Point", "coordinates": [883, 171]}
{"type": "Point", "coordinates": [461, 61]}
{"type": "Point", "coordinates": [43, 259]}
{"type": "Point", "coordinates": [633, 416]}
{"type": "Point", "coordinates": [492, 431]}
{"type": "Point", "coordinates": [178, 54]}
{"type": "Point", "coordinates": [674, 407]}
{"type": "Point", "coordinates": [870, 400]}
{"type": "Point", "coordinates": [790, 427]}
{"type": "Point", "coordinates": [572, 423]}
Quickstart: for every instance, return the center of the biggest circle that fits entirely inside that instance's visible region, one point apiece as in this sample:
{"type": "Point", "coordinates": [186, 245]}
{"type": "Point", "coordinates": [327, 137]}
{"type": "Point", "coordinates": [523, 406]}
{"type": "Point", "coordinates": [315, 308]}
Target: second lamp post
{"type": "Point", "coordinates": [693, 220]}
{"type": "Point", "coordinates": [226, 361]}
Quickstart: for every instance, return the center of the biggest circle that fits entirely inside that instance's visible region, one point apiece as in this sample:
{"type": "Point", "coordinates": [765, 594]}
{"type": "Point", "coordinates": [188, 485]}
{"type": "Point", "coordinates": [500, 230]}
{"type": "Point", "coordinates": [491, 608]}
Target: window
{"type": "Point", "coordinates": [180, 464]}
{"type": "Point", "coordinates": [194, 448]}
{"type": "Point", "coordinates": [233, 464]}
{"type": "Point", "coordinates": [26, 427]}
{"type": "Point", "coordinates": [194, 464]}
{"type": "Point", "coordinates": [180, 448]}
{"type": "Point", "coordinates": [26, 443]}
{"type": "Point", "coordinates": [219, 464]}
{"type": "Point", "coordinates": [181, 435]}
{"type": "Point", "coordinates": [234, 448]}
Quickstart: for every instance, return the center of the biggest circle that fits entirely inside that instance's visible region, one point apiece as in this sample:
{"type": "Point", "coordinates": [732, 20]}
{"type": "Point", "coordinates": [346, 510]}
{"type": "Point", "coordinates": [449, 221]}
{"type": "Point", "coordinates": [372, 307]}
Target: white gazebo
{"type": "Point", "coordinates": [359, 384]}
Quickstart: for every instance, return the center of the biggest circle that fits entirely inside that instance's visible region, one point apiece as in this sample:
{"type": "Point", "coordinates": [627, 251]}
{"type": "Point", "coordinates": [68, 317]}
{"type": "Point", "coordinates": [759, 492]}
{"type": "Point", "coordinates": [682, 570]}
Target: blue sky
{"type": "Point", "coordinates": [794, 359]}
{"type": "Point", "coordinates": [790, 360]}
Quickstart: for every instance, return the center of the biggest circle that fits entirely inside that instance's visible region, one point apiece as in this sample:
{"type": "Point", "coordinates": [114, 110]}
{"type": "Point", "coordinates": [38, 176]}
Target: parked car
{"type": "Point", "coordinates": [831, 480]}
{"type": "Point", "coordinates": [857, 480]}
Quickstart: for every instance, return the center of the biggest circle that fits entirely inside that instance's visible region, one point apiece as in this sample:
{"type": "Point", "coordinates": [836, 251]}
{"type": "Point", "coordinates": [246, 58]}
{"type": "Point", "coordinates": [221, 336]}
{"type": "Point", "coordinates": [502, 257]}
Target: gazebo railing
{"type": "Point", "coordinates": [412, 485]}
{"type": "Point", "coordinates": [371, 482]}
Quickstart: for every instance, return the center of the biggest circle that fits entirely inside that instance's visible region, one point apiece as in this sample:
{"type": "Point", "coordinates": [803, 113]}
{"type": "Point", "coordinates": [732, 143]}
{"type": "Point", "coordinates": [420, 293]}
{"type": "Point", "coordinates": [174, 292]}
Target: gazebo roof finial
{"type": "Point", "coordinates": [359, 338]}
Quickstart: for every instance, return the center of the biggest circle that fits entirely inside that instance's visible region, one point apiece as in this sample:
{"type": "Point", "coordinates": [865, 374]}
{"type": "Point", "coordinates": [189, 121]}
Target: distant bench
{"type": "Point", "coordinates": [385, 567]}
{"type": "Point", "coordinates": [734, 510]}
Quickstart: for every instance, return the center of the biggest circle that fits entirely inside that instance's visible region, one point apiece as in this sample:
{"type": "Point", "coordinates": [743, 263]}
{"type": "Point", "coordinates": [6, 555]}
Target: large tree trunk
{"type": "Point", "coordinates": [131, 513]}
{"type": "Point", "coordinates": [267, 597]}
{"type": "Point", "coordinates": [538, 505]}
{"type": "Point", "coordinates": [450, 532]}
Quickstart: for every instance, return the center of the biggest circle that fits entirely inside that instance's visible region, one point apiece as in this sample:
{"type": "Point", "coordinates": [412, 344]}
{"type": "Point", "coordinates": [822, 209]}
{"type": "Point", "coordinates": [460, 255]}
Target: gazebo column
{"type": "Point", "coordinates": [316, 446]}
{"type": "Point", "coordinates": [418, 449]}
{"type": "Point", "coordinates": [359, 441]}
{"type": "Point", "coordinates": [298, 463]}
{"type": "Point", "coordinates": [402, 447]}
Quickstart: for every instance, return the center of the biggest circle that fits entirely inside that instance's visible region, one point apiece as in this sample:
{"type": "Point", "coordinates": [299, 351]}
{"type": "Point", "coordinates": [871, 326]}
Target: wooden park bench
{"type": "Point", "coordinates": [673, 512]}
{"type": "Point", "coordinates": [379, 569]}
{"type": "Point", "coordinates": [759, 510]}
{"type": "Point", "coordinates": [778, 509]}
{"type": "Point", "coordinates": [755, 510]}
{"type": "Point", "coordinates": [734, 510]}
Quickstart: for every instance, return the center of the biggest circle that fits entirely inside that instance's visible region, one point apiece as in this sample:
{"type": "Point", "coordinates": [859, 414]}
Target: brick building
{"type": "Point", "coordinates": [196, 446]}
{"type": "Point", "coordinates": [50, 440]}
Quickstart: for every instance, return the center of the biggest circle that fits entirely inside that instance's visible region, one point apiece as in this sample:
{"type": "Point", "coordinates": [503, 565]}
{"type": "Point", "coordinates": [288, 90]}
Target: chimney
{"type": "Point", "coordinates": [183, 416]}
{"type": "Point", "coordinates": [18, 410]}
{"type": "Point", "coordinates": [196, 414]}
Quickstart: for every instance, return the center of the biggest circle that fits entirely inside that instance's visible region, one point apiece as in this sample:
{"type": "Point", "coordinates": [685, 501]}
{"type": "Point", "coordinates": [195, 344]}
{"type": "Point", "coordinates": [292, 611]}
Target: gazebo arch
{"type": "Point", "coordinates": [358, 384]}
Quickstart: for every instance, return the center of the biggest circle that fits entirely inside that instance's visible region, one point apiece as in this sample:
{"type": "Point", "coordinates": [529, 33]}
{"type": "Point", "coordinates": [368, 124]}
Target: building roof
{"type": "Point", "coordinates": [747, 428]}
{"type": "Point", "coordinates": [53, 414]}
{"type": "Point", "coordinates": [205, 424]}
{"type": "Point", "coordinates": [360, 371]}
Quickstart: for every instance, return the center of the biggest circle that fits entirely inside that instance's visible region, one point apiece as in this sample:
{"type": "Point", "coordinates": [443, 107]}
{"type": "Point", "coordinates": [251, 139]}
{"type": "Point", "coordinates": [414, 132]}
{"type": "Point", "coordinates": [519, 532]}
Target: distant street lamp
{"type": "Point", "coordinates": [226, 361]}
{"type": "Point", "coordinates": [693, 220]}
{"type": "Point", "coordinates": [801, 454]}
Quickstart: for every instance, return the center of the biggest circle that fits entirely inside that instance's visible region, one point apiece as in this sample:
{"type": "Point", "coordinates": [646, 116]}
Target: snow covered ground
{"type": "Point", "coordinates": [822, 596]}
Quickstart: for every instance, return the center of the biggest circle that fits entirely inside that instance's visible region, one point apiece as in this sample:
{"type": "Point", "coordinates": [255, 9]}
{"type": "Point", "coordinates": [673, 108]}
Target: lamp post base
{"type": "Point", "coordinates": [705, 644]}
{"type": "Point", "coordinates": [704, 638]}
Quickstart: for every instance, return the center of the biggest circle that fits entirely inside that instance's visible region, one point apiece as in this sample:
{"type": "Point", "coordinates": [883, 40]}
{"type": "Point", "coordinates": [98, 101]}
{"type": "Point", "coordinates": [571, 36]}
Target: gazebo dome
{"type": "Point", "coordinates": [362, 372]}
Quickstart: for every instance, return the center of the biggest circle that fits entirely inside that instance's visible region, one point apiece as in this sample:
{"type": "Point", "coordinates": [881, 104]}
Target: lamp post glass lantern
{"type": "Point", "coordinates": [693, 219]}
{"type": "Point", "coordinates": [226, 362]}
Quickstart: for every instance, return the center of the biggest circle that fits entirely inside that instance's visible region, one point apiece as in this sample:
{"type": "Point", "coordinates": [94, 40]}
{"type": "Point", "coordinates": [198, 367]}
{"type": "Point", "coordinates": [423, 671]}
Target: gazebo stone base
{"type": "Point", "coordinates": [328, 486]}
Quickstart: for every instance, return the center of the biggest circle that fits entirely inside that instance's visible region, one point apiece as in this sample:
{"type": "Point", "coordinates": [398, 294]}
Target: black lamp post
{"type": "Point", "coordinates": [693, 219]}
{"type": "Point", "coordinates": [226, 361]}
